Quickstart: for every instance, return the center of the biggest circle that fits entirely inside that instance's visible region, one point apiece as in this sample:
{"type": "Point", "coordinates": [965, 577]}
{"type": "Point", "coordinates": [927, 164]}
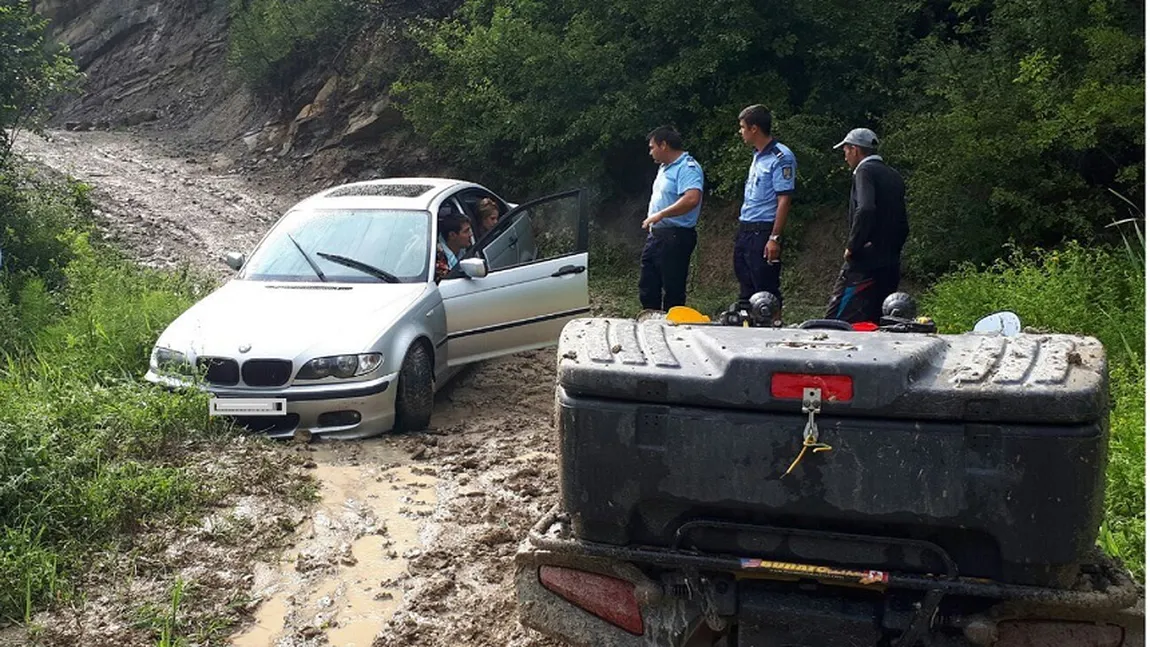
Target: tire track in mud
{"type": "Point", "coordinates": [413, 537]}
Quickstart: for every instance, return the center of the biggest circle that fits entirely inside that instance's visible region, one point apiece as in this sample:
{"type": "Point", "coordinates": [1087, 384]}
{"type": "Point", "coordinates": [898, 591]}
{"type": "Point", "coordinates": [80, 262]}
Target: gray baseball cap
{"type": "Point", "coordinates": [860, 137]}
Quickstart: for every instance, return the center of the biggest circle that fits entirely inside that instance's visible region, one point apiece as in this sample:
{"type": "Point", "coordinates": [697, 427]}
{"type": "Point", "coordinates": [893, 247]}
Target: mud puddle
{"type": "Point", "coordinates": [342, 578]}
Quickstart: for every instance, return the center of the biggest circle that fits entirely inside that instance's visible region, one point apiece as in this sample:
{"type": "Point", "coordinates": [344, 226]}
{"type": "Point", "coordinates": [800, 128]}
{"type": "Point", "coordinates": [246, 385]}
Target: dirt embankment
{"type": "Point", "coordinates": [412, 538]}
{"type": "Point", "coordinates": [161, 70]}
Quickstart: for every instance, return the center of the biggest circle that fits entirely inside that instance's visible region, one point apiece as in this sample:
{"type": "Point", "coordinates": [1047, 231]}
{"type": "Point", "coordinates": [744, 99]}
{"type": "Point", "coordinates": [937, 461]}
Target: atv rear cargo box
{"type": "Point", "coordinates": [990, 448]}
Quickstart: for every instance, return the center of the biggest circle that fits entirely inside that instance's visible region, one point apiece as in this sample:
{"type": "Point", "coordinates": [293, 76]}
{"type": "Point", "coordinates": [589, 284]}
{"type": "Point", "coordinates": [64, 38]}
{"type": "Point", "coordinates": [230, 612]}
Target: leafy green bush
{"type": "Point", "coordinates": [272, 41]}
{"type": "Point", "coordinates": [1098, 292]}
{"type": "Point", "coordinates": [39, 217]}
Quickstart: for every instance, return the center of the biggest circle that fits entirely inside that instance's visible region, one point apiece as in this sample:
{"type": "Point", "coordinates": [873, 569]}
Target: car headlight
{"type": "Point", "coordinates": [171, 362]}
{"type": "Point", "coordinates": [341, 366]}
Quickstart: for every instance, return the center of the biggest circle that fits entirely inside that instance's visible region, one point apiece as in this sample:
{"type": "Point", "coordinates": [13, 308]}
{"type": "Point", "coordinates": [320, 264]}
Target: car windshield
{"type": "Point", "coordinates": [345, 245]}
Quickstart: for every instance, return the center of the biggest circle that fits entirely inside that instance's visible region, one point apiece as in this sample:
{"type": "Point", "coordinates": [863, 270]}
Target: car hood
{"type": "Point", "coordinates": [289, 320]}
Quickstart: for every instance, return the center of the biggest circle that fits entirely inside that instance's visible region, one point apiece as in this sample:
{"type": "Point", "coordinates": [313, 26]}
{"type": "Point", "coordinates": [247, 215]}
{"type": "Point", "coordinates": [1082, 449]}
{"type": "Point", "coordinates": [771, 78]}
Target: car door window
{"type": "Point", "coordinates": [549, 228]}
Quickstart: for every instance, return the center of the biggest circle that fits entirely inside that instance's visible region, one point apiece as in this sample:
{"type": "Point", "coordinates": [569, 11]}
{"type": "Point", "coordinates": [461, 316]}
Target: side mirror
{"type": "Point", "coordinates": [235, 260]}
{"type": "Point", "coordinates": [474, 268]}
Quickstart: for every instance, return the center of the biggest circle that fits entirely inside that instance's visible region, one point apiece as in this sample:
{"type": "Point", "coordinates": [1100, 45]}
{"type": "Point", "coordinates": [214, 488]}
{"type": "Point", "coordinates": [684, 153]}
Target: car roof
{"type": "Point", "coordinates": [387, 193]}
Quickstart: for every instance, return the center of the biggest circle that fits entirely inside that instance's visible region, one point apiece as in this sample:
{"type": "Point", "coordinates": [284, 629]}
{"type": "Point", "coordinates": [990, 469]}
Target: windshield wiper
{"type": "Point", "coordinates": [318, 272]}
{"type": "Point", "coordinates": [360, 265]}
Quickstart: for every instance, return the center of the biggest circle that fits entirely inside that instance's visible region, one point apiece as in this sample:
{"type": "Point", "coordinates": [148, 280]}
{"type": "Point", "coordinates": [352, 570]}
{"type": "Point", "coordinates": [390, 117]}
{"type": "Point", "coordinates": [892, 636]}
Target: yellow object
{"type": "Point", "coordinates": [684, 314]}
{"type": "Point", "coordinates": [808, 443]}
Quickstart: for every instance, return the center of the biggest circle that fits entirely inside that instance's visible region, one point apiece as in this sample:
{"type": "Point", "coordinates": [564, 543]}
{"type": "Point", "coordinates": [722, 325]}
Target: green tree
{"type": "Point", "coordinates": [32, 71]}
{"type": "Point", "coordinates": [1017, 116]}
{"type": "Point", "coordinates": [556, 93]}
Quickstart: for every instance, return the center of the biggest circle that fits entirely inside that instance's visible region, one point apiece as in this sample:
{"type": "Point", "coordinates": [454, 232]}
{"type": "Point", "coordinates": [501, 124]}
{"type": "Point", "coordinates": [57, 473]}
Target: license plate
{"type": "Point", "coordinates": [248, 407]}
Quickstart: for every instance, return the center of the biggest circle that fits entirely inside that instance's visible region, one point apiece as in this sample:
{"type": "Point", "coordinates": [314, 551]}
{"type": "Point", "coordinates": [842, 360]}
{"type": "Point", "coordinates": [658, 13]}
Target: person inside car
{"type": "Point", "coordinates": [488, 216]}
{"type": "Point", "coordinates": [454, 237]}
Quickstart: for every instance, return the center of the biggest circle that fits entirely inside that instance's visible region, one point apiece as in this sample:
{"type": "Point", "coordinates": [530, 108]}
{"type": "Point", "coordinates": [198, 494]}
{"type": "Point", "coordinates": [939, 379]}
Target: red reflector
{"type": "Point", "coordinates": [1040, 633]}
{"type": "Point", "coordinates": [600, 595]}
{"type": "Point", "coordinates": [865, 326]}
{"type": "Point", "coordinates": [835, 388]}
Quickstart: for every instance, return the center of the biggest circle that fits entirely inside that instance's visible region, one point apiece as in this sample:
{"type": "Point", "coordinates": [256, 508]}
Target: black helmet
{"type": "Point", "coordinates": [899, 305]}
{"type": "Point", "coordinates": [765, 309]}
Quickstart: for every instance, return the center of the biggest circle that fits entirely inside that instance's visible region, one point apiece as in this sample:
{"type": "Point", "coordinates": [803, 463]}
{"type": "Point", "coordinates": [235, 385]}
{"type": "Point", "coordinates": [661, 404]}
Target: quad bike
{"type": "Point", "coordinates": [731, 482]}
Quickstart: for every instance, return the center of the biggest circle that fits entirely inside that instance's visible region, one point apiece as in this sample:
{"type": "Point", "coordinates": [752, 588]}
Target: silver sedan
{"type": "Point", "coordinates": [338, 324]}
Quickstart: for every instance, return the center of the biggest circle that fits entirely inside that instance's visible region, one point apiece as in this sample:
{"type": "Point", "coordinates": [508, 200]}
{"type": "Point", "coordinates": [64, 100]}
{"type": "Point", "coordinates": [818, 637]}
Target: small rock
{"type": "Point", "coordinates": [496, 536]}
{"type": "Point", "coordinates": [471, 491]}
{"type": "Point", "coordinates": [310, 465]}
{"type": "Point", "coordinates": [383, 595]}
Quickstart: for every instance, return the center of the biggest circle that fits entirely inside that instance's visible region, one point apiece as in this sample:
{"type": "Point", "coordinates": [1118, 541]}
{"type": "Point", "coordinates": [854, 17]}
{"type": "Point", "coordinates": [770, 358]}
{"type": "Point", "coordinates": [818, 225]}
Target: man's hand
{"type": "Point", "coordinates": [846, 254]}
{"type": "Point", "coordinates": [652, 219]}
{"type": "Point", "coordinates": [771, 251]}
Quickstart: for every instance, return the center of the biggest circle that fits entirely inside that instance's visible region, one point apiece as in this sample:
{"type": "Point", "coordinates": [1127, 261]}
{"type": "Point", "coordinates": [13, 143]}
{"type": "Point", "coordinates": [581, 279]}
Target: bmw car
{"type": "Point", "coordinates": [337, 323]}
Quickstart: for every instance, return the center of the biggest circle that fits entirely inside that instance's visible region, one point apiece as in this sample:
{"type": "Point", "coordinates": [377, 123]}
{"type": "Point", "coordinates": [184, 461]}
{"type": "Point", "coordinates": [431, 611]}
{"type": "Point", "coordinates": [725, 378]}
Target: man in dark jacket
{"type": "Point", "coordinates": [878, 230]}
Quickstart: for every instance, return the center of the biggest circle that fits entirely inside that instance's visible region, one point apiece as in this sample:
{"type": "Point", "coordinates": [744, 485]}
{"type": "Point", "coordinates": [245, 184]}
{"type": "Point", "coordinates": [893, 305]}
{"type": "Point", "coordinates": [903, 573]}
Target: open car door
{"type": "Point", "coordinates": [527, 278]}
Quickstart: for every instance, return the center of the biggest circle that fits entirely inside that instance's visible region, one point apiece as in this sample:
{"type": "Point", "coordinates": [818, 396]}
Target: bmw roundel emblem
{"type": "Point", "coordinates": [245, 348]}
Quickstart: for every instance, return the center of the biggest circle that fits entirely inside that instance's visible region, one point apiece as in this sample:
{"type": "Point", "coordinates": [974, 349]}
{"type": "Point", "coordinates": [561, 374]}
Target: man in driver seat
{"type": "Point", "coordinates": [454, 237]}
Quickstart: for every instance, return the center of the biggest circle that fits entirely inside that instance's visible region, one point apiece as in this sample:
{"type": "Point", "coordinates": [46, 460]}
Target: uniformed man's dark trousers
{"type": "Point", "coordinates": [755, 273]}
{"type": "Point", "coordinates": [664, 265]}
{"type": "Point", "coordinates": [858, 295]}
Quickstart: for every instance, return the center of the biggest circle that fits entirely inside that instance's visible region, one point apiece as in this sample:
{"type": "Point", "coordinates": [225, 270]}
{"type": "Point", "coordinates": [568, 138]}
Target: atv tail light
{"type": "Point", "coordinates": [789, 386]}
{"type": "Point", "coordinates": [603, 596]}
{"type": "Point", "coordinates": [1055, 633]}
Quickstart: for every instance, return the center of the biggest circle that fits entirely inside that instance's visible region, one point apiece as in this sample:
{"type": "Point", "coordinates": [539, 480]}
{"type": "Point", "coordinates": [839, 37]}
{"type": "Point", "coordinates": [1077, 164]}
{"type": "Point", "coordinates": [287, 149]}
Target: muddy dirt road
{"type": "Point", "coordinates": [412, 539]}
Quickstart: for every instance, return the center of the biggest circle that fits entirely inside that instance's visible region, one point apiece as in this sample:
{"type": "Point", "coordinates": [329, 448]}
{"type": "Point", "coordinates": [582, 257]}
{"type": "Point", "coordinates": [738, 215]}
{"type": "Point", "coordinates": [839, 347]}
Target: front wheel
{"type": "Point", "coordinates": [415, 394]}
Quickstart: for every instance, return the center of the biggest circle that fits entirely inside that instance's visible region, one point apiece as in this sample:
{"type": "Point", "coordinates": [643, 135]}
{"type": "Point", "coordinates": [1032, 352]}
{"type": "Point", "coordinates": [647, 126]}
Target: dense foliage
{"type": "Point", "coordinates": [272, 41]}
{"type": "Point", "coordinates": [1011, 117]}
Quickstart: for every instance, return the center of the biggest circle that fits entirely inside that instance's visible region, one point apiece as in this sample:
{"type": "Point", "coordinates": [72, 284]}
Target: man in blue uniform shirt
{"type": "Point", "coordinates": [766, 203]}
{"type": "Point", "coordinates": [676, 199]}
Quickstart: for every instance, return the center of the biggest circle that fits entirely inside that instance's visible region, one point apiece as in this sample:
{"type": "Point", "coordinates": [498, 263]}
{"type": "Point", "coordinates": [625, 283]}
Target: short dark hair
{"type": "Point", "coordinates": [668, 135]}
{"type": "Point", "coordinates": [867, 151]}
{"type": "Point", "coordinates": [451, 223]}
{"type": "Point", "coordinates": [757, 115]}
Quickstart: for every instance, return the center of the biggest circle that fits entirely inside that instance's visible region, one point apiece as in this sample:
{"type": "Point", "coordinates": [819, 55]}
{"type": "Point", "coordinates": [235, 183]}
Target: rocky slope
{"type": "Point", "coordinates": [160, 69]}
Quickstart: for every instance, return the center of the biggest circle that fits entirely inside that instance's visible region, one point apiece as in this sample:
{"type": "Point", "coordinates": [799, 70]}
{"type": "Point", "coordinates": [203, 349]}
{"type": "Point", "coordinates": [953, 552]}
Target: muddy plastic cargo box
{"type": "Point", "coordinates": [989, 448]}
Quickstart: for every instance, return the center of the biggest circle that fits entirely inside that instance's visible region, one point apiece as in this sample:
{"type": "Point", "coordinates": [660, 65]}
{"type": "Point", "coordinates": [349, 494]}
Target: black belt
{"type": "Point", "coordinates": [756, 226]}
{"type": "Point", "coordinates": [671, 229]}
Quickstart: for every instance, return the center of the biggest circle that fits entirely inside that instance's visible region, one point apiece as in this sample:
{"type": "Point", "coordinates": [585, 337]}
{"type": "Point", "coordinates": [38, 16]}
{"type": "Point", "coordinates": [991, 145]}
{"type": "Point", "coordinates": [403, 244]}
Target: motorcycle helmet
{"type": "Point", "coordinates": [765, 309]}
{"type": "Point", "coordinates": [899, 305]}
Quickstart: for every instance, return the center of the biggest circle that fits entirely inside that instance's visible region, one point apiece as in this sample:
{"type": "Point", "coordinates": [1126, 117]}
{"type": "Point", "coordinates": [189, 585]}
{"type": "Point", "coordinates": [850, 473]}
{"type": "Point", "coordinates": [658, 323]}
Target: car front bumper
{"type": "Point", "coordinates": [373, 400]}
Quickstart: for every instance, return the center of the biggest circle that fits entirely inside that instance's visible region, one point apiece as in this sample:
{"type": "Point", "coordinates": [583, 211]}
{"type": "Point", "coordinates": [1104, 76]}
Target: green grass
{"type": "Point", "coordinates": [89, 453]}
{"type": "Point", "coordinates": [1098, 292]}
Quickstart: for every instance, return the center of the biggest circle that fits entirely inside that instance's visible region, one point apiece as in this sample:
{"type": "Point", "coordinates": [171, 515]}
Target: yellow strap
{"type": "Point", "coordinates": [807, 443]}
